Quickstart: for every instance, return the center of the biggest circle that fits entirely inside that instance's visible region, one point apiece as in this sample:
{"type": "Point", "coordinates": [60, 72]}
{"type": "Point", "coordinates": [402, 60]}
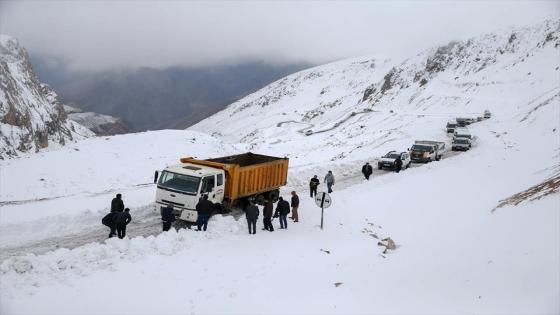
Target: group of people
{"type": "Point", "coordinates": [282, 211]}
{"type": "Point", "coordinates": [118, 218]}
{"type": "Point", "coordinates": [314, 183]}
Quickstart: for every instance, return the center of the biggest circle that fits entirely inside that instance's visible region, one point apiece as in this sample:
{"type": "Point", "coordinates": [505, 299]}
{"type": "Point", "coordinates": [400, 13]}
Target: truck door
{"type": "Point", "coordinates": [208, 187]}
{"type": "Point", "coordinates": [220, 188]}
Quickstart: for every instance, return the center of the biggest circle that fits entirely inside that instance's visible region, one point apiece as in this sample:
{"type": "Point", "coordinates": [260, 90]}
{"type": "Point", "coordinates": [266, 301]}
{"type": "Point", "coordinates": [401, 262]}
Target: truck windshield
{"type": "Point", "coordinates": [461, 141]}
{"type": "Point", "coordinates": [180, 182]}
{"type": "Point", "coordinates": [422, 148]}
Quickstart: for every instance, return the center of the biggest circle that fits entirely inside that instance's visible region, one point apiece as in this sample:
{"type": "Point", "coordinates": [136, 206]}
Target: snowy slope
{"type": "Point", "coordinates": [500, 72]}
{"type": "Point", "coordinates": [101, 125]}
{"type": "Point", "coordinates": [31, 117]}
{"type": "Point", "coordinates": [457, 251]}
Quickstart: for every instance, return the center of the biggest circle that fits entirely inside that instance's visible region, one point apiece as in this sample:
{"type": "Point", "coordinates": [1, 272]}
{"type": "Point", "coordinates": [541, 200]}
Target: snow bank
{"type": "Point", "coordinates": [30, 272]}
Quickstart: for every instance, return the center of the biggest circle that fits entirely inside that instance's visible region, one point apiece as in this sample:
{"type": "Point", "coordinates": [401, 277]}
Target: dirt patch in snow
{"type": "Point", "coordinates": [547, 187]}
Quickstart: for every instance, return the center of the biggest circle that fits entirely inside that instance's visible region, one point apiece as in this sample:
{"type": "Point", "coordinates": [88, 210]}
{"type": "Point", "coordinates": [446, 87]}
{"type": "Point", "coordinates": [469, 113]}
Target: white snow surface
{"type": "Point", "coordinates": [454, 254]}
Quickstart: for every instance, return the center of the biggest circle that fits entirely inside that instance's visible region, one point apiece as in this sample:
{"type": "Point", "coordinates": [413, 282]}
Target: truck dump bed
{"type": "Point", "coordinates": [248, 174]}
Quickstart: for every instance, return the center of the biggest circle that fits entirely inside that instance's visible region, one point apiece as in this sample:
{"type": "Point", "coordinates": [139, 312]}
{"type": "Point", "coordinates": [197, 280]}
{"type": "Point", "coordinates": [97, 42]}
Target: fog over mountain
{"type": "Point", "coordinates": [149, 98]}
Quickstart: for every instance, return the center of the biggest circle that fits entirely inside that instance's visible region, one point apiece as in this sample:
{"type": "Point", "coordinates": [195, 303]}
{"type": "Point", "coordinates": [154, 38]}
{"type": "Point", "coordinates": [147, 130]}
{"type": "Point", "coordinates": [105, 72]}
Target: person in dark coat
{"type": "Point", "coordinates": [295, 205]}
{"type": "Point", "coordinates": [117, 205]}
{"type": "Point", "coordinates": [367, 170]}
{"type": "Point", "coordinates": [252, 214]}
{"type": "Point", "coordinates": [282, 210]}
{"type": "Point", "coordinates": [122, 219]}
{"type": "Point", "coordinates": [313, 183]}
{"type": "Point", "coordinates": [398, 164]}
{"type": "Point", "coordinates": [204, 209]}
{"type": "Point", "coordinates": [167, 217]}
{"type": "Point", "coordinates": [108, 222]}
{"type": "Point", "coordinates": [267, 216]}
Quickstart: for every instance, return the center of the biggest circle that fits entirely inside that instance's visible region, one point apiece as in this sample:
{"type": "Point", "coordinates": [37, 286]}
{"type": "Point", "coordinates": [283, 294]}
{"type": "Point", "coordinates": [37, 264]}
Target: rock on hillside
{"type": "Point", "coordinates": [31, 116]}
{"type": "Point", "coordinates": [101, 125]}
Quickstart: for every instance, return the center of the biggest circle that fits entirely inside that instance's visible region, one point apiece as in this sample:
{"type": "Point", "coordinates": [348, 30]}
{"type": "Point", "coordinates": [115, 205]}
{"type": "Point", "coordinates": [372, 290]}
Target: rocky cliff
{"type": "Point", "coordinates": [31, 116]}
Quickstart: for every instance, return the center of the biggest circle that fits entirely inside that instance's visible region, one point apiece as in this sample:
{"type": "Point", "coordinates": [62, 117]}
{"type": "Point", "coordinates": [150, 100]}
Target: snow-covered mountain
{"type": "Point", "coordinates": [31, 116]}
{"type": "Point", "coordinates": [361, 104]}
{"type": "Point", "coordinates": [101, 125]}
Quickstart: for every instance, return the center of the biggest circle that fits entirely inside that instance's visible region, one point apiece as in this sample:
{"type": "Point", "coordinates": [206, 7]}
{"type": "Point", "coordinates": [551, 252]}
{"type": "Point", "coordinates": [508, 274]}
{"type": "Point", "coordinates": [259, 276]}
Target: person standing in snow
{"type": "Point", "coordinates": [295, 205]}
{"type": "Point", "coordinates": [122, 219]}
{"type": "Point", "coordinates": [267, 216]}
{"type": "Point", "coordinates": [117, 205]}
{"type": "Point", "coordinates": [398, 164]}
{"type": "Point", "coordinates": [204, 209]}
{"type": "Point", "coordinates": [108, 222]}
{"type": "Point", "coordinates": [167, 217]}
{"type": "Point", "coordinates": [282, 210]}
{"type": "Point", "coordinates": [252, 214]}
{"type": "Point", "coordinates": [329, 179]}
{"type": "Point", "coordinates": [367, 170]}
{"type": "Point", "coordinates": [313, 183]}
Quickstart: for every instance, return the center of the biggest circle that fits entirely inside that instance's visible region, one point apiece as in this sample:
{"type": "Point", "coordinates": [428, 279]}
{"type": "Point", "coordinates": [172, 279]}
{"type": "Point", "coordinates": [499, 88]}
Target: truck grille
{"type": "Point", "coordinates": [173, 203]}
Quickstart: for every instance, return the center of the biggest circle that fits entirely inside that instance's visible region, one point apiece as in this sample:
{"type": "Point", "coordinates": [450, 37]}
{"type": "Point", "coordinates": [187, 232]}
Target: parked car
{"type": "Point", "coordinates": [462, 121]}
{"type": "Point", "coordinates": [427, 151]}
{"type": "Point", "coordinates": [461, 144]}
{"type": "Point", "coordinates": [451, 126]}
{"type": "Point", "coordinates": [462, 133]}
{"type": "Point", "coordinates": [487, 114]}
{"type": "Point", "coordinates": [388, 160]}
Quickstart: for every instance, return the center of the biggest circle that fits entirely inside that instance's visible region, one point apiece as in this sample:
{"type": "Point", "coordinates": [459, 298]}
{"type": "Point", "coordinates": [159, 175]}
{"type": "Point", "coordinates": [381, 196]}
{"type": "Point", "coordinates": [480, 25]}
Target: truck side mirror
{"type": "Point", "coordinates": [156, 175]}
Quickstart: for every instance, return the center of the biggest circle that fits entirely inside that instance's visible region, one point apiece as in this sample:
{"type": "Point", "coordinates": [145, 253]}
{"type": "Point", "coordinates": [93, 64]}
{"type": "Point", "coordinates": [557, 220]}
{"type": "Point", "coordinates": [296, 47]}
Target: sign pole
{"type": "Point", "coordinates": [323, 200]}
{"type": "Point", "coordinates": [322, 209]}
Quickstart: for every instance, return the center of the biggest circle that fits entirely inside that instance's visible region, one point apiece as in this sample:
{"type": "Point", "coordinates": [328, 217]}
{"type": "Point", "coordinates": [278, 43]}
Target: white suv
{"type": "Point", "coordinates": [388, 160]}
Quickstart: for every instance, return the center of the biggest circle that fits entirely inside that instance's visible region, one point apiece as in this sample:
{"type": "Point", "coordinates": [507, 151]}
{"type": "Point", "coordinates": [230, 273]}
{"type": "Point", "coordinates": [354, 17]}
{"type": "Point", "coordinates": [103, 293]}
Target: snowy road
{"type": "Point", "coordinates": [146, 222]}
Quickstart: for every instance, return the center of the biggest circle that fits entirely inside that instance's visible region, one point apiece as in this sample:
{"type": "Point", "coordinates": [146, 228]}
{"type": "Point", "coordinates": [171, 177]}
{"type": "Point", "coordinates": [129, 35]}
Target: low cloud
{"type": "Point", "coordinates": [112, 34]}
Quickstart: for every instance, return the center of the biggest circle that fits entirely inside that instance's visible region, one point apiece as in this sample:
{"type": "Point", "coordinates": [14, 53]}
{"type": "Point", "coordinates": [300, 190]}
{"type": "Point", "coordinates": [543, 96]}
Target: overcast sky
{"type": "Point", "coordinates": [109, 34]}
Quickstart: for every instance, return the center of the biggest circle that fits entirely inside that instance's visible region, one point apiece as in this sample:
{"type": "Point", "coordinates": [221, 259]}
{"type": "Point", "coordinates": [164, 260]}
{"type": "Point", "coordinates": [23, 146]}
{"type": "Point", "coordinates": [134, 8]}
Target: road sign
{"type": "Point", "coordinates": [323, 200]}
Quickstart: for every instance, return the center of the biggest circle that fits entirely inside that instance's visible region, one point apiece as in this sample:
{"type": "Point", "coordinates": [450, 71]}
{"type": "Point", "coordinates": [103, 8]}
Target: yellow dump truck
{"type": "Point", "coordinates": [228, 181]}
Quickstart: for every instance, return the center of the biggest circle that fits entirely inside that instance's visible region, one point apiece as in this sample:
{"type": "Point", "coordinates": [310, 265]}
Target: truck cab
{"type": "Point", "coordinates": [182, 186]}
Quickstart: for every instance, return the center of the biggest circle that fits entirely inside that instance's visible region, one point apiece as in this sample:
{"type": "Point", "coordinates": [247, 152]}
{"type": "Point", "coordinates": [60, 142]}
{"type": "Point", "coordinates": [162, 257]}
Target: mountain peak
{"type": "Point", "coordinates": [31, 116]}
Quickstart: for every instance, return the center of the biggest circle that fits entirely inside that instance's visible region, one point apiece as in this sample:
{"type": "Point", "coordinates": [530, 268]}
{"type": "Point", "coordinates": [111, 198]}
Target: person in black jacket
{"type": "Point", "coordinates": [282, 210]}
{"type": "Point", "coordinates": [204, 209]}
{"type": "Point", "coordinates": [108, 222]}
{"type": "Point", "coordinates": [252, 214]}
{"type": "Point", "coordinates": [117, 205]}
{"type": "Point", "coordinates": [167, 217]}
{"type": "Point", "coordinates": [313, 183]}
{"type": "Point", "coordinates": [267, 216]}
{"type": "Point", "coordinates": [398, 164]}
{"type": "Point", "coordinates": [122, 219]}
{"type": "Point", "coordinates": [367, 170]}
{"type": "Point", "coordinates": [295, 206]}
